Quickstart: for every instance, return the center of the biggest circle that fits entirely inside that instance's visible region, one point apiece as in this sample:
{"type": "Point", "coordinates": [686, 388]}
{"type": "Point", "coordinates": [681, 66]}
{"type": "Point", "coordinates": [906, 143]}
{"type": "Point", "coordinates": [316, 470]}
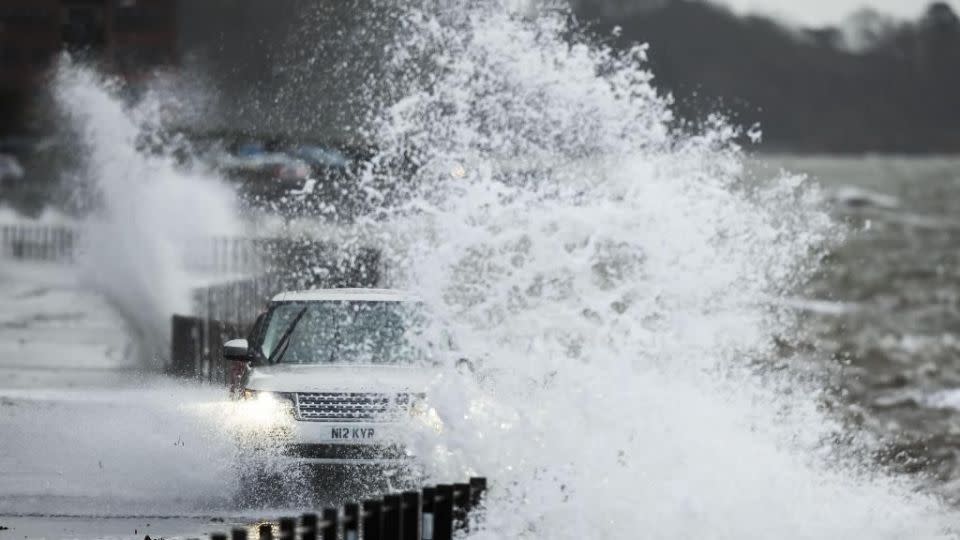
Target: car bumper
{"type": "Point", "coordinates": [354, 443]}
{"type": "Point", "coordinates": [346, 454]}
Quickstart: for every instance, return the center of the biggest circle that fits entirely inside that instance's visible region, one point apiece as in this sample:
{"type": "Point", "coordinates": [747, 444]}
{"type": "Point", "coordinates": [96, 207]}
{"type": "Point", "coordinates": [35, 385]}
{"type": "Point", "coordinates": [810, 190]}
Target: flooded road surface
{"type": "Point", "coordinates": [93, 447]}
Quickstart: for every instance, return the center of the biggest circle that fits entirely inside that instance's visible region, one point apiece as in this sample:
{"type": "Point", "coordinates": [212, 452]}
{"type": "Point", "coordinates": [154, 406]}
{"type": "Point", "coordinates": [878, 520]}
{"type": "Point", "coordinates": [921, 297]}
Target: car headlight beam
{"type": "Point", "coordinates": [260, 408]}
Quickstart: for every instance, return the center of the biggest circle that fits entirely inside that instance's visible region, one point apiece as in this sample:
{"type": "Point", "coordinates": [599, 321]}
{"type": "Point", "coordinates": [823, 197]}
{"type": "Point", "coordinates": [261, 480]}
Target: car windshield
{"type": "Point", "coordinates": [344, 332]}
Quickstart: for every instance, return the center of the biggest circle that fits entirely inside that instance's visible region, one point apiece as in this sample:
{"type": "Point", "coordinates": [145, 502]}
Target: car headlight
{"type": "Point", "coordinates": [268, 401]}
{"type": "Point", "coordinates": [267, 396]}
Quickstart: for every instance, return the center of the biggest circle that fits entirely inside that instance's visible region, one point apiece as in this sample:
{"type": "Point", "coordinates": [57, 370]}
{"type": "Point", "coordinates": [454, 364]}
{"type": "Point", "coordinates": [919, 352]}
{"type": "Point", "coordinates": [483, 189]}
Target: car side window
{"type": "Point", "coordinates": [256, 331]}
{"type": "Point", "coordinates": [276, 323]}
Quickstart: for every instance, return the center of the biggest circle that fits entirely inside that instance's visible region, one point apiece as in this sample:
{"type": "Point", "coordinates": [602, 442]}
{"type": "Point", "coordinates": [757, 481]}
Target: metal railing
{"type": "Point", "coordinates": [301, 261]}
{"type": "Point", "coordinates": [433, 513]}
{"type": "Point", "coordinates": [38, 242]}
{"type": "Point", "coordinates": [216, 255]}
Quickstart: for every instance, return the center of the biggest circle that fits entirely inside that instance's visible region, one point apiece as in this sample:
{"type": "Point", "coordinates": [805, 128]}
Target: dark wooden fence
{"type": "Point", "coordinates": [197, 348]}
{"type": "Point", "coordinates": [221, 312]}
{"type": "Point", "coordinates": [434, 513]}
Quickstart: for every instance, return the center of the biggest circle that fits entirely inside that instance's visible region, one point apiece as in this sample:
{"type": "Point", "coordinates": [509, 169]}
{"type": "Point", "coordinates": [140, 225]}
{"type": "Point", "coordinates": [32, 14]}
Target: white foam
{"type": "Point", "coordinates": [623, 307]}
{"type": "Point", "coordinates": [855, 196]}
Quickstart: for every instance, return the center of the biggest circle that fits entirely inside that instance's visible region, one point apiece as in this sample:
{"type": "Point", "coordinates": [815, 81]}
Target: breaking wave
{"type": "Point", "coordinates": [620, 286]}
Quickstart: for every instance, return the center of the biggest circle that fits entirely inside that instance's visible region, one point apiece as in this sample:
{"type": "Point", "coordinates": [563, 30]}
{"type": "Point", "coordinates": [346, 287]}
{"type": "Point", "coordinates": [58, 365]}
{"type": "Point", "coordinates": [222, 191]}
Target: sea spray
{"type": "Point", "coordinates": [615, 283]}
{"type": "Point", "coordinates": [148, 209]}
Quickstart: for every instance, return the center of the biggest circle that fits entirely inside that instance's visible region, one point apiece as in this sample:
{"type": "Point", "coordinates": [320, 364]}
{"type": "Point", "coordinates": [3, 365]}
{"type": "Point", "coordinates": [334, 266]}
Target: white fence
{"type": "Point", "coordinates": [62, 243]}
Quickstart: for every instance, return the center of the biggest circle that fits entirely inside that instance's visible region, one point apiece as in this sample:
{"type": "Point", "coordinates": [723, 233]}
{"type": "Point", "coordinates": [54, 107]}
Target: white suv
{"type": "Point", "coordinates": [343, 370]}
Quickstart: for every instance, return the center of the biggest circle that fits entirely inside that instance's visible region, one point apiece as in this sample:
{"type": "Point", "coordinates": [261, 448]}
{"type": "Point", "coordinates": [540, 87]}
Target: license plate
{"type": "Point", "coordinates": [352, 433]}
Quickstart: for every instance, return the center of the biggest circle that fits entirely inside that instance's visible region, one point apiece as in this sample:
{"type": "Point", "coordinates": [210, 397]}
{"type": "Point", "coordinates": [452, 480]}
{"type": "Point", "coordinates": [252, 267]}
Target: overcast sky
{"type": "Point", "coordinates": [819, 12]}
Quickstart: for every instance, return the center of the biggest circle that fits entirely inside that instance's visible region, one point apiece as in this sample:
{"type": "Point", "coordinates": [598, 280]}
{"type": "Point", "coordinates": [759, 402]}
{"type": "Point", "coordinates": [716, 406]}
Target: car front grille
{"type": "Point", "coordinates": [350, 407]}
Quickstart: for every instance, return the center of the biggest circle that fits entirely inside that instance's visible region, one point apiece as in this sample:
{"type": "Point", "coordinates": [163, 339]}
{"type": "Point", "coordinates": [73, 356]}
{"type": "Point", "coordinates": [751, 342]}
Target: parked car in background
{"type": "Point", "coordinates": [268, 176]}
{"type": "Point", "coordinates": [10, 169]}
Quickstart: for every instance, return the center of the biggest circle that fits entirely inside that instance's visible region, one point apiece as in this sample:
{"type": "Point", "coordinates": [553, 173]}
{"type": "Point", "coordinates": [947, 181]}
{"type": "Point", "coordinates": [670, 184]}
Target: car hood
{"type": "Point", "coordinates": [339, 378]}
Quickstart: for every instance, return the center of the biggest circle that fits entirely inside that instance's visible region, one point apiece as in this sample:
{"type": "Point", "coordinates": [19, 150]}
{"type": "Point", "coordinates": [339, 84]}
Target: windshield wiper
{"type": "Point", "coordinates": [281, 347]}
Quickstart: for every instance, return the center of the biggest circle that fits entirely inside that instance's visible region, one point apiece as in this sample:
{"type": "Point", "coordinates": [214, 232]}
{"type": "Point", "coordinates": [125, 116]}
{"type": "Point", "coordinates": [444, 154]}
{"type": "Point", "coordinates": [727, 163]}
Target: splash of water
{"type": "Point", "coordinates": [149, 209]}
{"type": "Point", "coordinates": [617, 282]}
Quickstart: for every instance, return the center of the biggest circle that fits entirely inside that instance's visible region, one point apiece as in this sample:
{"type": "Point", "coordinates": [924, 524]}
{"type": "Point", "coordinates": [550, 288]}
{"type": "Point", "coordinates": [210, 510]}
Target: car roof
{"type": "Point", "coordinates": [337, 295]}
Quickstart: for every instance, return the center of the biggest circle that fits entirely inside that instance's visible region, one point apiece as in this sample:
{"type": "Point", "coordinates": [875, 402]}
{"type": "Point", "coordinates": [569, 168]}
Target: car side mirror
{"type": "Point", "coordinates": [237, 350]}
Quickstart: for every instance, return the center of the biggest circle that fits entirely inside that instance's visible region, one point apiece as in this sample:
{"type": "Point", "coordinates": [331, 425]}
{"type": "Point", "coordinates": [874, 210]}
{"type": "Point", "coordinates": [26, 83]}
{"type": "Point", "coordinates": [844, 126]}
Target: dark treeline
{"type": "Point", "coordinates": [312, 68]}
{"type": "Point", "coordinates": [810, 89]}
